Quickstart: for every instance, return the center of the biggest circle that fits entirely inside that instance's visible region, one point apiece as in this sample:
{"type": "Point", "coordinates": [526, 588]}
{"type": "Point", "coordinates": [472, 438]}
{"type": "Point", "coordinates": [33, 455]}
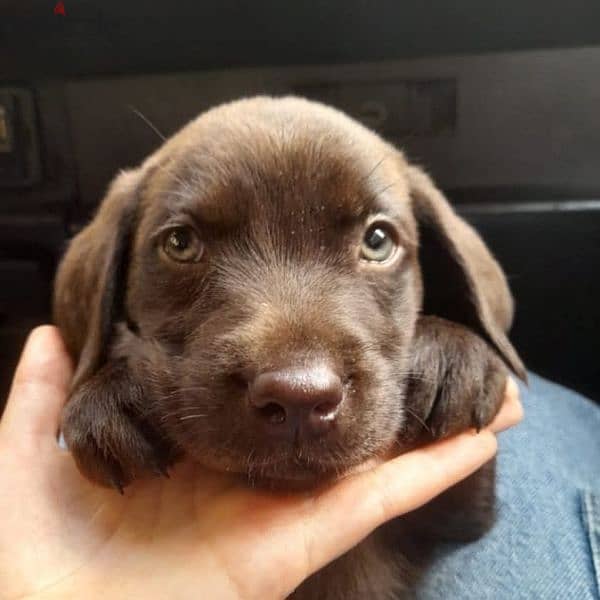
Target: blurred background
{"type": "Point", "coordinates": [500, 101]}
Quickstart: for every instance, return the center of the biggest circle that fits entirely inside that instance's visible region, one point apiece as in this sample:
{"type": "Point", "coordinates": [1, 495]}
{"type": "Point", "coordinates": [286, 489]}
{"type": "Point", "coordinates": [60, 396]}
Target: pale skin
{"type": "Point", "coordinates": [198, 534]}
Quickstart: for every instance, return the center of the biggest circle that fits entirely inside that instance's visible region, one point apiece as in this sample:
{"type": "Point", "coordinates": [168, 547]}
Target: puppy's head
{"type": "Point", "coordinates": [261, 274]}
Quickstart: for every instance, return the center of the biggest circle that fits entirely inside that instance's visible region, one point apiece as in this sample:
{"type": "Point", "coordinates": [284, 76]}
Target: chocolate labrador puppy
{"type": "Point", "coordinates": [277, 292]}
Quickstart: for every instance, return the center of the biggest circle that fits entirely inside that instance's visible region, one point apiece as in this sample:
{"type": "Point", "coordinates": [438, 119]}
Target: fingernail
{"type": "Point", "coordinates": [62, 443]}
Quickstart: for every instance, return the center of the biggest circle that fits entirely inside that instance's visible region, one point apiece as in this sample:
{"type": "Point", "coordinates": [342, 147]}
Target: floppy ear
{"type": "Point", "coordinates": [90, 283]}
{"type": "Point", "coordinates": [462, 282]}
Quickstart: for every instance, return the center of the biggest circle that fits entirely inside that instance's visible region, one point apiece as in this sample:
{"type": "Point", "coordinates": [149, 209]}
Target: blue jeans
{"type": "Point", "coordinates": [546, 542]}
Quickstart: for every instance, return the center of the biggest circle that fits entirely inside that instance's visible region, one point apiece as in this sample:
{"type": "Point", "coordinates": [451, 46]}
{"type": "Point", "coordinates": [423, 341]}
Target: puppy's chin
{"type": "Point", "coordinates": [292, 474]}
{"type": "Point", "coordinates": [301, 481]}
{"type": "Point", "coordinates": [291, 482]}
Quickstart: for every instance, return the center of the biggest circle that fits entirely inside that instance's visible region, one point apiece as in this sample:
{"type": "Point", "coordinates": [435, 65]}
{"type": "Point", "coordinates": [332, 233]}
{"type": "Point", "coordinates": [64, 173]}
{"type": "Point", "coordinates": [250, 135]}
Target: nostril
{"type": "Point", "coordinates": [272, 413]}
{"type": "Point", "coordinates": [240, 379]}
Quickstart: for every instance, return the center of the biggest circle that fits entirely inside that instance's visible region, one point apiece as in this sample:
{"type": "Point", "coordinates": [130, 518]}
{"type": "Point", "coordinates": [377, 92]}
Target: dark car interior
{"type": "Point", "coordinates": [500, 102]}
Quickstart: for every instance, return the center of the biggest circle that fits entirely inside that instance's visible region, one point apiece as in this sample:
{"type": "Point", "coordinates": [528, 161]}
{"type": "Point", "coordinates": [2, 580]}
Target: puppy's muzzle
{"type": "Point", "coordinates": [296, 403]}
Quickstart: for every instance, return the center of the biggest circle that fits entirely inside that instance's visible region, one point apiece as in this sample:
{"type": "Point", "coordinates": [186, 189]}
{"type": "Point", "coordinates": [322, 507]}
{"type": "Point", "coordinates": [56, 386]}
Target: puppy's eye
{"type": "Point", "coordinates": [378, 243]}
{"type": "Point", "coordinates": [182, 245]}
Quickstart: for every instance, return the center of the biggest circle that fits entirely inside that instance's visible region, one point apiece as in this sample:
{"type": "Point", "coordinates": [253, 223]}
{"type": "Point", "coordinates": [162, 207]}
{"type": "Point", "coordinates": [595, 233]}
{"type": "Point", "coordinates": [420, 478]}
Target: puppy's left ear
{"type": "Point", "coordinates": [462, 281]}
{"type": "Point", "coordinates": [90, 282]}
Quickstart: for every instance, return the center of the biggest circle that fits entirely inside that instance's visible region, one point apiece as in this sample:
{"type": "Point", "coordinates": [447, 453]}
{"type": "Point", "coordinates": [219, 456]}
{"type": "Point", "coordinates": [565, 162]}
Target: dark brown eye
{"type": "Point", "coordinates": [378, 243]}
{"type": "Point", "coordinates": [182, 245]}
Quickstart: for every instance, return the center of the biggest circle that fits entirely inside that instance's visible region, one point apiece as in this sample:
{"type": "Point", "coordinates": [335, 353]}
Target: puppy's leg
{"type": "Point", "coordinates": [106, 431]}
{"type": "Point", "coordinates": [457, 382]}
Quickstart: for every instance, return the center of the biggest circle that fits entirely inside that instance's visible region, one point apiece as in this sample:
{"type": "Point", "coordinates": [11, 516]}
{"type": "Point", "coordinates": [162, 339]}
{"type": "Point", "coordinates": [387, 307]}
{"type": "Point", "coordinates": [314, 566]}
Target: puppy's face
{"type": "Point", "coordinates": [273, 287]}
{"type": "Point", "coordinates": [258, 276]}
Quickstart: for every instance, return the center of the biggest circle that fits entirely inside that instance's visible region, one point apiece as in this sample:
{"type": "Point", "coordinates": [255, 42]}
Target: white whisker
{"type": "Point", "coordinates": [196, 416]}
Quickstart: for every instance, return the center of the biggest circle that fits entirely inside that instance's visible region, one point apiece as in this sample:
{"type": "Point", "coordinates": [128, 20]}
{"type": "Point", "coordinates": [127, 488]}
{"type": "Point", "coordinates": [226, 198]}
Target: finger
{"type": "Point", "coordinates": [40, 386]}
{"type": "Point", "coordinates": [345, 514]}
{"type": "Point", "coordinates": [511, 412]}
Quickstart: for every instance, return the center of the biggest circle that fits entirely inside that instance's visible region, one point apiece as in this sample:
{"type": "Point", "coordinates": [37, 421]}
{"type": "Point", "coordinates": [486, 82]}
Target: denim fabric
{"type": "Point", "coordinates": [546, 542]}
{"type": "Point", "coordinates": [591, 516]}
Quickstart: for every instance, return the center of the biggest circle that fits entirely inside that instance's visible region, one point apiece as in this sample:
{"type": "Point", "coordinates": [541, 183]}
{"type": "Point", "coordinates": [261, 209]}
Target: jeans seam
{"type": "Point", "coordinates": [591, 517]}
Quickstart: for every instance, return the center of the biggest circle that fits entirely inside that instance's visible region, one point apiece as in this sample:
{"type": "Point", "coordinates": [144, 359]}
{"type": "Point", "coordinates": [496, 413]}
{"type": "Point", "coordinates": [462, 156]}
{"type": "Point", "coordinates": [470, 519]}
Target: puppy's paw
{"type": "Point", "coordinates": [457, 380]}
{"type": "Point", "coordinates": [470, 393]}
{"type": "Point", "coordinates": [104, 430]}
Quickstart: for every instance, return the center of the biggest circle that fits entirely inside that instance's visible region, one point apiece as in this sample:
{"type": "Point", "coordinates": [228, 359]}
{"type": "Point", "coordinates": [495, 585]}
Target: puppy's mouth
{"type": "Point", "coordinates": [294, 471]}
{"type": "Point", "coordinates": [301, 477]}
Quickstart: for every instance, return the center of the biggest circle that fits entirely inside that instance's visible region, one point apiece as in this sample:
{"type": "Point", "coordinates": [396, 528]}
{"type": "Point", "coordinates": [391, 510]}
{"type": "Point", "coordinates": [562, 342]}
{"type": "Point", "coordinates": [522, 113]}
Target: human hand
{"type": "Point", "coordinates": [199, 533]}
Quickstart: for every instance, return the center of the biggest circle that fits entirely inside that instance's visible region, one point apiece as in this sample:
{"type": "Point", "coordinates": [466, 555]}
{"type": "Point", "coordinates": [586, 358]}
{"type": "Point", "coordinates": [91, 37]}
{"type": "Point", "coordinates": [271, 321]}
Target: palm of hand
{"type": "Point", "coordinates": [77, 536]}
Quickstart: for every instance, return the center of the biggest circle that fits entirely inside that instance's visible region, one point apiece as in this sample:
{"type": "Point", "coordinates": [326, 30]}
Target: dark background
{"type": "Point", "coordinates": [536, 201]}
{"type": "Point", "coordinates": [136, 36]}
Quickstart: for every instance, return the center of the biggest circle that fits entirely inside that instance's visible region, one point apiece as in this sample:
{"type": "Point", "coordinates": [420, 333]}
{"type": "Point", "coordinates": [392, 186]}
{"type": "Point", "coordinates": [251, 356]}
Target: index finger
{"type": "Point", "coordinates": [345, 514]}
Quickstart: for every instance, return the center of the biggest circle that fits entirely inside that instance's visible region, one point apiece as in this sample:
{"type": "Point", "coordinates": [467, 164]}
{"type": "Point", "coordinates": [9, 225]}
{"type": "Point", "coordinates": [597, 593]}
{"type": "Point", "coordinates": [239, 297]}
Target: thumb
{"type": "Point", "coordinates": [39, 388]}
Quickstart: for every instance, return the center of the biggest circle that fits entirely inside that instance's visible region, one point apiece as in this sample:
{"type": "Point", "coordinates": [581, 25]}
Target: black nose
{"type": "Point", "coordinates": [301, 401]}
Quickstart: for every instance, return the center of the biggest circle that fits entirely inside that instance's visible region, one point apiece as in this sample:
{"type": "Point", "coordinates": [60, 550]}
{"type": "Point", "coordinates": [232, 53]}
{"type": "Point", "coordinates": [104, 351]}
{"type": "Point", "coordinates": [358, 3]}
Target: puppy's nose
{"type": "Point", "coordinates": [301, 401]}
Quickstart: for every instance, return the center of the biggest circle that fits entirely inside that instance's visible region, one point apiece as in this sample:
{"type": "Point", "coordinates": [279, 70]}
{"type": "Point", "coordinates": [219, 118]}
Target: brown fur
{"type": "Point", "coordinates": [280, 192]}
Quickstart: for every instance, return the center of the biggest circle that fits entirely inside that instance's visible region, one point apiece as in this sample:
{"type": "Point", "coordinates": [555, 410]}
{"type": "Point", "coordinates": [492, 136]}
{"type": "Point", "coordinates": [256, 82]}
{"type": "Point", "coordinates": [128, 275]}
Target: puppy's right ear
{"type": "Point", "coordinates": [462, 281]}
{"type": "Point", "coordinates": [90, 283]}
